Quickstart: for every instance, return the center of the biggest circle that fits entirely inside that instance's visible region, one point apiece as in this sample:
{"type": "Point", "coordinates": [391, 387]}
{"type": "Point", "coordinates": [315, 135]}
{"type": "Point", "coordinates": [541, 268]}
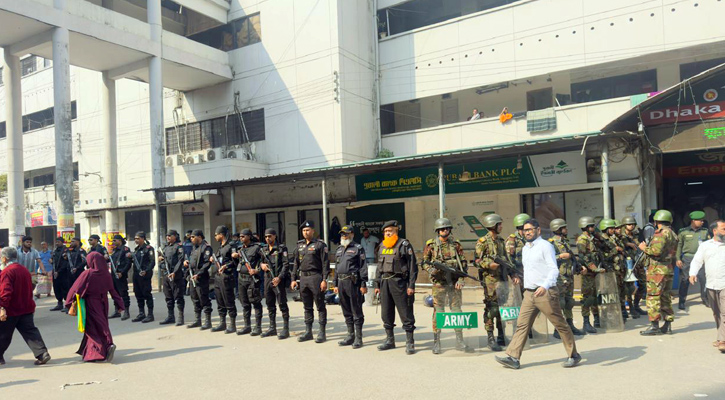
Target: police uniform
{"type": "Point", "coordinates": [144, 260]}
{"type": "Point", "coordinates": [61, 273]}
{"type": "Point", "coordinates": [278, 259]}
{"type": "Point", "coordinates": [76, 260]}
{"type": "Point", "coordinates": [98, 247]}
{"type": "Point", "coordinates": [199, 264]}
{"type": "Point", "coordinates": [123, 265]}
{"type": "Point", "coordinates": [312, 267]}
{"type": "Point", "coordinates": [175, 288]}
{"type": "Point", "coordinates": [689, 240]}
{"type": "Point", "coordinates": [250, 286]}
{"type": "Point", "coordinates": [351, 274]}
{"type": "Point", "coordinates": [224, 283]}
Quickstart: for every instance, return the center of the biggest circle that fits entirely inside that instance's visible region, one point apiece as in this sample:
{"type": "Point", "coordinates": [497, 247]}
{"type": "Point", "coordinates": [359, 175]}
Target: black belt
{"type": "Point", "coordinates": [530, 290]}
{"type": "Point", "coordinates": [388, 275]}
{"type": "Point", "coordinates": [346, 276]}
{"type": "Point", "coordinates": [310, 273]}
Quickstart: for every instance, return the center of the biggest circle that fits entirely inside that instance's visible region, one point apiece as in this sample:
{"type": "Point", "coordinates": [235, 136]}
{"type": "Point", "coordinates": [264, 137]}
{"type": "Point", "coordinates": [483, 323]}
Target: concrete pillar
{"type": "Point", "coordinates": [110, 159]}
{"type": "Point", "coordinates": [63, 133]}
{"type": "Point", "coordinates": [234, 209]}
{"type": "Point", "coordinates": [441, 191]}
{"type": "Point", "coordinates": [156, 113]}
{"type": "Point", "coordinates": [606, 197]}
{"type": "Point", "coordinates": [14, 129]}
{"type": "Point", "coordinates": [325, 228]}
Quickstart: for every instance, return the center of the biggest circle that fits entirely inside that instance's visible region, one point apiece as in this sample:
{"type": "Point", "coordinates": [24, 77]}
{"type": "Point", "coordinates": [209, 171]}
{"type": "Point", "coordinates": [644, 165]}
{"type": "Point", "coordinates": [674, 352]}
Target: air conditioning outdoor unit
{"type": "Point", "coordinates": [230, 154]}
{"type": "Point", "coordinates": [169, 161]}
{"type": "Point", "coordinates": [211, 155]}
{"type": "Point", "coordinates": [199, 158]}
{"type": "Point", "coordinates": [180, 159]}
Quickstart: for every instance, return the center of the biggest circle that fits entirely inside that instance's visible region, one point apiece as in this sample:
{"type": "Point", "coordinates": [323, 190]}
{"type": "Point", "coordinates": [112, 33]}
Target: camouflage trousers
{"type": "Point", "coordinates": [566, 297]}
{"type": "Point", "coordinates": [589, 295]}
{"type": "Point", "coordinates": [659, 299]}
{"type": "Point", "coordinates": [490, 299]}
{"type": "Point", "coordinates": [445, 294]}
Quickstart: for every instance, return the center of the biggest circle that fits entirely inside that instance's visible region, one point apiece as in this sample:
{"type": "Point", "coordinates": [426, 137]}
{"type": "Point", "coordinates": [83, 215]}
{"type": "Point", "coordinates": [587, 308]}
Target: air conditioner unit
{"type": "Point", "coordinates": [230, 154]}
{"type": "Point", "coordinates": [169, 161]}
{"type": "Point", "coordinates": [199, 158]}
{"type": "Point", "coordinates": [189, 160]}
{"type": "Point", "coordinates": [211, 155]}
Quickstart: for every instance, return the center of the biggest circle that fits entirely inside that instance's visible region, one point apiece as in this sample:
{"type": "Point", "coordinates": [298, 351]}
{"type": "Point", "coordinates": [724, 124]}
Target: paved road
{"type": "Point", "coordinates": [169, 362]}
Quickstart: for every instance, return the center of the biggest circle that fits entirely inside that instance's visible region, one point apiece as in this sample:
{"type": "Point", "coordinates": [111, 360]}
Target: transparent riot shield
{"type": "Point", "coordinates": [456, 314]}
{"type": "Point", "coordinates": [610, 309]}
{"type": "Point", "coordinates": [509, 304]}
{"type": "Point", "coordinates": [539, 330]}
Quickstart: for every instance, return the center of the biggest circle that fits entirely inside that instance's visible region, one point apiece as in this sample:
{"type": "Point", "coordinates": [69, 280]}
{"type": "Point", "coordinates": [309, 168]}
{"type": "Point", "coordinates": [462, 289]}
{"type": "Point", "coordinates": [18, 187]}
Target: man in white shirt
{"type": "Point", "coordinates": [712, 254]}
{"type": "Point", "coordinates": [369, 244]}
{"type": "Point", "coordinates": [540, 295]}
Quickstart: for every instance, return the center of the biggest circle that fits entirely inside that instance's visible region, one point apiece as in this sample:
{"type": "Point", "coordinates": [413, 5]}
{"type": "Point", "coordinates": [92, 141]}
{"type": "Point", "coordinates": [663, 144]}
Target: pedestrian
{"type": "Point", "coordinates": [312, 268]}
{"type": "Point", "coordinates": [198, 265]}
{"type": "Point", "coordinates": [712, 254]}
{"type": "Point", "coordinates": [370, 244]}
{"type": "Point", "coordinates": [688, 241]}
{"type": "Point", "coordinates": [660, 254]}
{"type": "Point", "coordinates": [565, 281]}
{"type": "Point", "coordinates": [76, 259]}
{"type": "Point", "coordinates": [29, 257]}
{"type": "Point", "coordinates": [120, 259]}
{"type": "Point", "coordinates": [278, 268]}
{"type": "Point", "coordinates": [61, 273]}
{"type": "Point", "coordinates": [171, 263]}
{"type": "Point", "coordinates": [143, 261]}
{"type": "Point", "coordinates": [591, 259]}
{"type": "Point", "coordinates": [351, 277]}
{"type": "Point", "coordinates": [223, 271]}
{"type": "Point", "coordinates": [250, 284]}
{"type": "Point", "coordinates": [17, 307]}
{"type": "Point", "coordinates": [93, 286]}
{"type": "Point", "coordinates": [540, 295]}
{"type": "Point", "coordinates": [395, 284]}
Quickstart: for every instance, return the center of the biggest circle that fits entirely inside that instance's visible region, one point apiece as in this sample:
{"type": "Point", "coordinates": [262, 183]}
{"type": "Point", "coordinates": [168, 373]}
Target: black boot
{"type": "Point", "coordinates": [115, 314]}
{"type": "Point", "coordinates": [140, 317]}
{"type": "Point", "coordinates": [222, 324]}
{"type": "Point", "coordinates": [556, 334]}
{"type": "Point", "coordinates": [409, 343]}
{"type": "Point", "coordinates": [232, 327]}
{"type": "Point", "coordinates": [460, 344]}
{"type": "Point", "coordinates": [257, 330]}
{"type": "Point", "coordinates": [59, 307]}
{"type": "Point", "coordinates": [681, 305]}
{"type": "Point", "coordinates": [349, 338]}
{"type": "Point", "coordinates": [307, 335]}
{"type": "Point", "coordinates": [272, 331]}
{"type": "Point", "coordinates": [492, 344]}
{"type": "Point", "coordinates": [285, 328]}
{"type": "Point", "coordinates": [125, 315]}
{"type": "Point", "coordinates": [197, 321]}
{"type": "Point", "coordinates": [633, 312]}
{"type": "Point", "coordinates": [169, 318]}
{"type": "Point", "coordinates": [596, 321]}
{"type": "Point", "coordinates": [246, 328]}
{"type": "Point", "coordinates": [588, 328]}
{"type": "Point", "coordinates": [357, 343]}
{"type": "Point", "coordinates": [180, 317]}
{"type": "Point", "coordinates": [653, 330]}
{"type": "Point", "coordinates": [666, 328]}
{"type": "Point", "coordinates": [149, 317]}
{"type": "Point", "coordinates": [625, 314]}
{"type": "Point", "coordinates": [501, 338]}
{"type": "Point", "coordinates": [437, 342]}
{"type": "Point", "coordinates": [321, 336]}
{"type": "Point", "coordinates": [207, 322]}
{"type": "Point", "coordinates": [389, 342]}
{"type": "Point", "coordinates": [574, 329]}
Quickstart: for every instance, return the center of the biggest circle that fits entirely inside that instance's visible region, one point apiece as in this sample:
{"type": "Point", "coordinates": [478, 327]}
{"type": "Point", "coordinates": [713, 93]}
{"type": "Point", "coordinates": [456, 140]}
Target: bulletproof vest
{"type": "Point", "coordinates": [171, 256]}
{"type": "Point", "coordinates": [391, 259]}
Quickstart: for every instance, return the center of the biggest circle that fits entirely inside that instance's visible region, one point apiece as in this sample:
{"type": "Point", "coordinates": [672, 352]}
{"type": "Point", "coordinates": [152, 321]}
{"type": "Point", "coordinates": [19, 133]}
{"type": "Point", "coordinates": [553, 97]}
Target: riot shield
{"type": "Point", "coordinates": [610, 309]}
{"type": "Point", "coordinates": [456, 316]}
{"type": "Point", "coordinates": [509, 304]}
{"type": "Point", "coordinates": [539, 330]}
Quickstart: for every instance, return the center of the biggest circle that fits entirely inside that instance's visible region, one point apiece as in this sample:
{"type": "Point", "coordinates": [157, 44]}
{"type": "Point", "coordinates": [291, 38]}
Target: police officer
{"type": "Point", "coordinates": [76, 259]}
{"type": "Point", "coordinates": [689, 240]}
{"type": "Point", "coordinates": [144, 261]}
{"type": "Point", "coordinates": [250, 284]}
{"type": "Point", "coordinates": [446, 290]}
{"type": "Point", "coordinates": [61, 273]}
{"type": "Point", "coordinates": [591, 259]}
{"type": "Point", "coordinates": [171, 264]}
{"type": "Point", "coordinates": [351, 275]}
{"type": "Point", "coordinates": [660, 253]}
{"type": "Point", "coordinates": [276, 284]}
{"type": "Point", "coordinates": [94, 241]}
{"type": "Point", "coordinates": [198, 265]}
{"type": "Point", "coordinates": [395, 285]}
{"type": "Point", "coordinates": [565, 281]}
{"type": "Point", "coordinates": [223, 270]}
{"type": "Point", "coordinates": [120, 278]}
{"type": "Point", "coordinates": [312, 268]}
{"type": "Point", "coordinates": [515, 242]}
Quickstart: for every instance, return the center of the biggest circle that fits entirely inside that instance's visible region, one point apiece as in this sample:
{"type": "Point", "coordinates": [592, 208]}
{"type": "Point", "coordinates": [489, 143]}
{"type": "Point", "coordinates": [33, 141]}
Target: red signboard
{"type": "Point", "coordinates": [36, 218]}
{"type": "Point", "coordinates": [685, 171]}
{"type": "Point", "coordinates": [684, 113]}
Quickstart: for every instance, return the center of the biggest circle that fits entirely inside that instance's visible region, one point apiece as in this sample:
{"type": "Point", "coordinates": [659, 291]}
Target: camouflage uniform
{"type": "Point", "coordinates": [514, 244]}
{"type": "Point", "coordinates": [616, 262]}
{"type": "Point", "coordinates": [565, 281]}
{"type": "Point", "coordinates": [486, 249]}
{"type": "Point", "coordinates": [660, 274]}
{"type": "Point", "coordinates": [449, 252]}
{"type": "Point", "coordinates": [589, 256]}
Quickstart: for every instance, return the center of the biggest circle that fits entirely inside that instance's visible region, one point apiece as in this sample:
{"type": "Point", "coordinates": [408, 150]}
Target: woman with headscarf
{"type": "Point", "coordinates": [93, 285]}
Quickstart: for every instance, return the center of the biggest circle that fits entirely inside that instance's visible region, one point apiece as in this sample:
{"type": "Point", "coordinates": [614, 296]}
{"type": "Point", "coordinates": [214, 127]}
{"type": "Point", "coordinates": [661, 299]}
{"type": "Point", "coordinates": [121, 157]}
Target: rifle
{"type": "Point", "coordinates": [255, 278]}
{"type": "Point", "coordinates": [452, 272]}
{"type": "Point", "coordinates": [136, 263]}
{"type": "Point", "coordinates": [113, 265]}
{"type": "Point", "coordinates": [159, 252]}
{"type": "Point", "coordinates": [641, 254]}
{"type": "Point", "coordinates": [270, 269]}
{"type": "Point", "coordinates": [506, 266]}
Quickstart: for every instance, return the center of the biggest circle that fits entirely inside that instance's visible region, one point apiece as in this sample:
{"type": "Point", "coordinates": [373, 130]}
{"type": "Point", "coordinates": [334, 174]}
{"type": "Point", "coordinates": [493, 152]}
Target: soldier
{"type": "Point", "coordinates": [351, 276]}
{"type": "Point", "coordinates": [491, 273]}
{"type": "Point", "coordinates": [633, 234]}
{"type": "Point", "coordinates": [143, 260]}
{"type": "Point", "coordinates": [627, 240]}
{"type": "Point", "coordinates": [95, 242]}
{"type": "Point", "coordinates": [223, 271]}
{"type": "Point", "coordinates": [660, 255]}
{"type": "Point", "coordinates": [590, 259]}
{"type": "Point", "coordinates": [275, 287]}
{"type": "Point", "coordinates": [515, 242]}
{"type": "Point", "coordinates": [312, 268]}
{"type": "Point", "coordinates": [198, 264]}
{"type": "Point", "coordinates": [395, 285]}
{"type": "Point", "coordinates": [565, 282]}
{"type": "Point", "coordinates": [250, 284]}
{"type": "Point", "coordinates": [76, 259]}
{"type": "Point", "coordinates": [171, 263]}
{"type": "Point", "coordinates": [613, 257]}
{"type": "Point", "coordinates": [61, 273]}
{"type": "Point", "coordinates": [120, 278]}
{"type": "Point", "coordinates": [688, 240]}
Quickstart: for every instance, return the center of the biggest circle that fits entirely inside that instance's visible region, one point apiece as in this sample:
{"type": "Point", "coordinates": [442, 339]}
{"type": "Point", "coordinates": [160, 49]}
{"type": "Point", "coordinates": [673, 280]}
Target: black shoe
{"type": "Point", "coordinates": [321, 336]}
{"type": "Point", "coordinates": [492, 343]}
{"type": "Point", "coordinates": [639, 310]}
{"type": "Point", "coordinates": [596, 321]}
{"type": "Point", "coordinates": [574, 329]}
{"type": "Point", "coordinates": [634, 313]}
{"type": "Point", "coordinates": [271, 331]}
{"type": "Point", "coordinates": [43, 359]}
{"type": "Point", "coordinates": [588, 328]}
{"type": "Point", "coordinates": [285, 330]}
{"type": "Point", "coordinates": [389, 342]}
{"type": "Point", "coordinates": [139, 318]}
{"type": "Point", "coordinates": [222, 325]}
{"type": "Point", "coordinates": [180, 318]}
{"type": "Point", "coordinates": [409, 343]}
{"type": "Point", "coordinates": [207, 322]}
{"type": "Point", "coordinates": [572, 361]}
{"type": "Point", "coordinates": [59, 307]}
{"type": "Point", "coordinates": [109, 354]}
{"type": "Point", "coordinates": [681, 306]}
{"type": "Point", "coordinates": [256, 331]}
{"type": "Point", "coordinates": [653, 330]}
{"type": "Point", "coordinates": [461, 344]}
{"type": "Point", "coordinates": [501, 340]}
{"type": "Point", "coordinates": [666, 328]}
{"type": "Point", "coordinates": [232, 326]}
{"type": "Point", "coordinates": [196, 323]}
{"type": "Point", "coordinates": [436, 343]}
{"type": "Point", "coordinates": [556, 334]}
{"type": "Point", "coordinates": [357, 343]}
{"type": "Point", "coordinates": [349, 338]}
{"type": "Point", "coordinates": [2, 361]}
{"type": "Point", "coordinates": [307, 335]}
{"type": "Point", "coordinates": [169, 319]}
{"type": "Point", "coordinates": [245, 330]}
{"type": "Point", "coordinates": [149, 318]}
{"type": "Point", "coordinates": [116, 314]}
{"type": "Point", "coordinates": [508, 362]}
{"type": "Point", "coordinates": [125, 315]}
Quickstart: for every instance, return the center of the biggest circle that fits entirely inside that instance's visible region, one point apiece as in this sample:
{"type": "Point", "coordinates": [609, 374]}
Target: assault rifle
{"type": "Point", "coordinates": [450, 271]}
{"type": "Point", "coordinates": [270, 270]}
{"type": "Point", "coordinates": [113, 265]}
{"type": "Point", "coordinates": [255, 278]}
{"type": "Point", "coordinates": [641, 256]}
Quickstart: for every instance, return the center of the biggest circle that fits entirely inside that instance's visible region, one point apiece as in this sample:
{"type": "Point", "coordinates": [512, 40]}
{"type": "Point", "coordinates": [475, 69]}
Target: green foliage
{"type": "Point", "coordinates": [385, 153]}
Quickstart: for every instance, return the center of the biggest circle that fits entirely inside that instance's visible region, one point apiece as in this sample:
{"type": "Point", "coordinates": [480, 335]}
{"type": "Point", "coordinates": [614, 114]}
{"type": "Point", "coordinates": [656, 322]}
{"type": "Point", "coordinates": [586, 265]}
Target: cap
{"type": "Point", "coordinates": [697, 215]}
{"type": "Point", "coordinates": [307, 224]}
{"type": "Point", "coordinates": [60, 239]}
{"type": "Point", "coordinates": [76, 239]}
{"type": "Point", "coordinates": [346, 229]}
{"type": "Point", "coordinates": [27, 238]}
{"type": "Point", "coordinates": [270, 231]}
{"type": "Point", "coordinates": [197, 232]}
{"type": "Point", "coordinates": [189, 232]}
{"type": "Point", "coordinates": [221, 229]}
{"type": "Point", "coordinates": [94, 236]}
{"type": "Point", "coordinates": [390, 223]}
{"type": "Point", "coordinates": [172, 233]}
{"type": "Point", "coordinates": [246, 232]}
{"type": "Point", "coordinates": [141, 234]}
{"type": "Point", "coordinates": [118, 237]}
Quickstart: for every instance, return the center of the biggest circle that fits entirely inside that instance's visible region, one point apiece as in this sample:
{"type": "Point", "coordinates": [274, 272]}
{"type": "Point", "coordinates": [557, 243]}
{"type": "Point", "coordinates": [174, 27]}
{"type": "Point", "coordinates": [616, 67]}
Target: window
{"type": "Point", "coordinates": [28, 65]}
{"type": "Point", "coordinates": [613, 87]}
{"type": "Point", "coordinates": [691, 69]}
{"type": "Point", "coordinates": [230, 130]}
{"type": "Point", "coordinates": [400, 117]}
{"type": "Point", "coordinates": [236, 34]}
{"type": "Point", "coordinates": [47, 63]}
{"type": "Point", "coordinates": [309, 215]}
{"type": "Point", "coordinates": [45, 176]}
{"type": "Point", "coordinates": [539, 99]}
{"type": "Point", "coordinates": [274, 220]}
{"type": "Point", "coordinates": [39, 119]}
{"type": "Point", "coordinates": [42, 180]}
{"type": "Point", "coordinates": [137, 221]}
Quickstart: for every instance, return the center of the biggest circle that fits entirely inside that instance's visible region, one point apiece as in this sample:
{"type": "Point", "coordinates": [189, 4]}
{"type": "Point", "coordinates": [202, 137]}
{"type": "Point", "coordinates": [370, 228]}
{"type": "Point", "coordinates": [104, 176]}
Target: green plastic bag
{"type": "Point", "coordinates": [81, 310]}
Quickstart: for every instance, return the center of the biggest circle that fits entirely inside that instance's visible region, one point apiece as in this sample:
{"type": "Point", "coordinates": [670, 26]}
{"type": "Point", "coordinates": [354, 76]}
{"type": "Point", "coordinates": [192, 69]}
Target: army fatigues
{"type": "Point", "coordinates": [688, 242]}
{"type": "Point", "coordinates": [351, 274]}
{"type": "Point", "coordinates": [250, 286]}
{"type": "Point", "coordinates": [224, 282]}
{"type": "Point", "coordinates": [565, 281]}
{"type": "Point", "coordinates": [397, 272]}
{"type": "Point", "coordinates": [514, 245]}
{"type": "Point", "coordinates": [279, 263]}
{"type": "Point", "coordinates": [444, 291]}
{"type": "Point", "coordinates": [199, 265]}
{"type": "Point", "coordinates": [486, 249]}
{"type": "Point", "coordinates": [660, 256]}
{"type": "Point", "coordinates": [173, 263]}
{"type": "Point", "coordinates": [123, 265]}
{"type": "Point", "coordinates": [312, 266]}
{"type": "Point", "coordinates": [588, 255]}
{"type": "Point", "coordinates": [143, 260]}
{"type": "Point", "coordinates": [61, 273]}
{"type": "Point", "coordinates": [77, 261]}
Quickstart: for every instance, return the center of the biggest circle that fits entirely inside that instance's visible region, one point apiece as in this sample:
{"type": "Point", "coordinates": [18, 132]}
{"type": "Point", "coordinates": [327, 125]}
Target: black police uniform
{"type": "Point", "coordinates": [77, 261]}
{"type": "Point", "coordinates": [99, 248]}
{"type": "Point", "coordinates": [278, 259]}
{"type": "Point", "coordinates": [250, 288]}
{"type": "Point", "coordinates": [123, 265]}
{"type": "Point", "coordinates": [311, 266]}
{"type": "Point", "coordinates": [199, 265]}
{"type": "Point", "coordinates": [144, 261]}
{"type": "Point", "coordinates": [351, 274]}
{"type": "Point", "coordinates": [61, 275]}
{"type": "Point", "coordinates": [224, 285]}
{"type": "Point", "coordinates": [174, 290]}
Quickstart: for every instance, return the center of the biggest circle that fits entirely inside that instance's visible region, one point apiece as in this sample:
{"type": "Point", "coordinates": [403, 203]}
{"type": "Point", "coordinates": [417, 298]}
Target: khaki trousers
{"type": "Point", "coordinates": [717, 303]}
{"type": "Point", "coordinates": [530, 308]}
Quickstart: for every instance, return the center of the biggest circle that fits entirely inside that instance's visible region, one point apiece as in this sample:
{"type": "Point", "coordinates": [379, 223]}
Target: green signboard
{"type": "Point", "coordinates": [373, 217]}
{"type": "Point", "coordinates": [509, 313]}
{"type": "Point", "coordinates": [461, 320]}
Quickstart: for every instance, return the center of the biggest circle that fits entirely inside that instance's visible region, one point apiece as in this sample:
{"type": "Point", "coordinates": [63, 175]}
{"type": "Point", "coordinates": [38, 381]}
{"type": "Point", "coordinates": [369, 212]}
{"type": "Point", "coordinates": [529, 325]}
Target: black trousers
{"type": "Point", "coordinates": [74, 276]}
{"type": "Point", "coordinates": [174, 292]}
{"type": "Point", "coordinates": [226, 304]}
{"type": "Point", "coordinates": [272, 298]}
{"type": "Point", "coordinates": [250, 295]}
{"type": "Point", "coordinates": [26, 327]}
{"type": "Point", "coordinates": [393, 295]}
{"type": "Point", "coordinates": [200, 295]}
{"type": "Point", "coordinates": [121, 285]}
{"type": "Point", "coordinates": [61, 285]}
{"type": "Point", "coordinates": [142, 291]}
{"type": "Point", "coordinates": [351, 302]}
{"type": "Point", "coordinates": [310, 294]}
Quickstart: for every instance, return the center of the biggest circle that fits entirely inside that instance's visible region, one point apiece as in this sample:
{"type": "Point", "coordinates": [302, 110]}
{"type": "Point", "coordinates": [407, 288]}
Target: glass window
{"type": "Point", "coordinates": [691, 69]}
{"type": "Point", "coordinates": [28, 65]}
{"type": "Point", "coordinates": [236, 34]}
{"type": "Point", "coordinates": [613, 87]}
{"type": "Point", "coordinates": [230, 130]}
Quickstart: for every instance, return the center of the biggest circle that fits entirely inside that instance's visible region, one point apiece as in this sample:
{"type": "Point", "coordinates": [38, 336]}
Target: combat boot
{"type": "Point", "coordinates": [321, 336]}
{"type": "Point", "coordinates": [437, 342]}
{"type": "Point", "coordinates": [222, 324]}
{"type": "Point", "coordinates": [180, 317]}
{"type": "Point", "coordinates": [285, 329]}
{"type": "Point", "coordinates": [492, 344]}
{"type": "Point", "coordinates": [207, 322]}
{"type": "Point", "coordinates": [409, 343]}
{"type": "Point", "coordinates": [596, 321]}
{"type": "Point", "coordinates": [653, 330]}
{"type": "Point", "coordinates": [149, 317]}
{"type": "Point", "coordinates": [169, 318]}
{"type": "Point", "coordinates": [500, 339]}
{"type": "Point", "coordinates": [246, 329]}
{"type": "Point", "coordinates": [389, 342]}
{"type": "Point", "coordinates": [349, 338]}
{"type": "Point", "coordinates": [556, 335]}
{"type": "Point", "coordinates": [59, 307]}
{"type": "Point", "coordinates": [633, 312]}
{"type": "Point", "coordinates": [257, 325]}
{"type": "Point", "coordinates": [125, 315]}
{"type": "Point", "coordinates": [588, 328]}
{"type": "Point", "coordinates": [460, 343]}
{"type": "Point", "coordinates": [197, 321]}
{"type": "Point", "coordinates": [115, 314]}
{"type": "Point", "coordinates": [307, 335]}
{"type": "Point", "coordinates": [357, 343]}
{"type": "Point", "coordinates": [140, 317]}
{"type": "Point", "coordinates": [232, 327]}
{"type": "Point", "coordinates": [667, 328]}
{"type": "Point", "coordinates": [272, 331]}
{"type": "Point", "coordinates": [574, 329]}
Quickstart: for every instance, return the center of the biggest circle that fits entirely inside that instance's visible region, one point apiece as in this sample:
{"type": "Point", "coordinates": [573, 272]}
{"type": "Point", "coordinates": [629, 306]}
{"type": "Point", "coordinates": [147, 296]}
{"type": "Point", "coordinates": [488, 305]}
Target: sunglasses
{"type": "Point", "coordinates": [268, 236]}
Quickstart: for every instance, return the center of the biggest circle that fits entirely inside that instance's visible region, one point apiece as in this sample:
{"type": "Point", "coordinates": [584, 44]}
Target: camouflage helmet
{"type": "Point", "coordinates": [557, 224]}
{"type": "Point", "coordinates": [629, 220]}
{"type": "Point", "coordinates": [490, 220]}
{"type": "Point", "coordinates": [520, 219]}
{"type": "Point", "coordinates": [586, 221]}
{"type": "Point", "coordinates": [606, 223]}
{"type": "Point", "coordinates": [663, 216]}
{"type": "Point", "coordinates": [617, 224]}
{"type": "Point", "coordinates": [442, 223]}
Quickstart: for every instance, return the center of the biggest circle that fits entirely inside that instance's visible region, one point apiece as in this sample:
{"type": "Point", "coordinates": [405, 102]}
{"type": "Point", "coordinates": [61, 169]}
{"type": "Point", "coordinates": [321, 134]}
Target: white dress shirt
{"type": "Point", "coordinates": [712, 254]}
{"type": "Point", "coordinates": [540, 269]}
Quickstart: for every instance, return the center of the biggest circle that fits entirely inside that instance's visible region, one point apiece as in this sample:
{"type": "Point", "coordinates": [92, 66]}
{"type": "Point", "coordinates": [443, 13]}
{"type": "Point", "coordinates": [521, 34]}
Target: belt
{"type": "Point", "coordinates": [530, 290]}
{"type": "Point", "coordinates": [346, 276]}
{"type": "Point", "coordinates": [310, 273]}
{"type": "Point", "coordinates": [388, 275]}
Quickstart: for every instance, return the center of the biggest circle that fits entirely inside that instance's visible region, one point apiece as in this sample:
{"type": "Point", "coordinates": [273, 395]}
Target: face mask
{"type": "Point", "coordinates": [345, 242]}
